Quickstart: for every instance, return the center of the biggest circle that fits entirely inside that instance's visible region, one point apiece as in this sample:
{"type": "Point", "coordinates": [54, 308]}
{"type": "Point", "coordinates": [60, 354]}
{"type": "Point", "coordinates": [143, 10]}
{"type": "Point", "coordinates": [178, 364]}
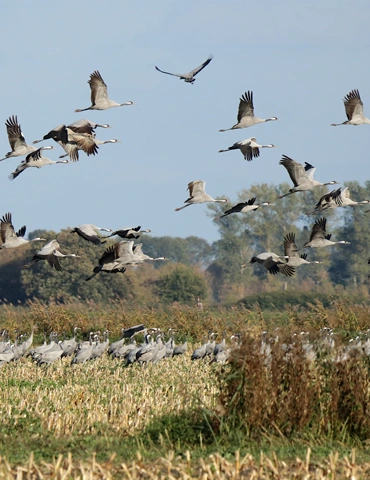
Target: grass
{"type": "Point", "coordinates": [102, 419]}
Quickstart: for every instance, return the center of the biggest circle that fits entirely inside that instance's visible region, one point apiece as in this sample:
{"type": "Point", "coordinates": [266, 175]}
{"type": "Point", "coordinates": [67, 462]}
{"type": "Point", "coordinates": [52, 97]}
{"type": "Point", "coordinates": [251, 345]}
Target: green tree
{"type": "Point", "coordinates": [262, 230]}
{"type": "Point", "coordinates": [182, 285]}
{"type": "Point", "coordinates": [189, 251]}
{"type": "Point", "coordinates": [349, 262]}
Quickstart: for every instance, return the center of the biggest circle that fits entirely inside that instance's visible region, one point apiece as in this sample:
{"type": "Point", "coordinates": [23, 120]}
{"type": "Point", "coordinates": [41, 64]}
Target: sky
{"type": "Point", "coordinates": [299, 58]}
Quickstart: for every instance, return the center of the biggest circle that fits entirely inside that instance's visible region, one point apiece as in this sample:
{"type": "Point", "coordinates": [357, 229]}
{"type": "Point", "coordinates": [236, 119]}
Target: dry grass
{"type": "Point", "coordinates": [213, 467]}
{"type": "Point", "coordinates": [104, 400]}
{"type": "Point", "coordinates": [102, 397]}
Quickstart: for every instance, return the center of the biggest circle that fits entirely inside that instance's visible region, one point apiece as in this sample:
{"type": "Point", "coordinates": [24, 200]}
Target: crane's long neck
{"type": "Point", "coordinates": [83, 109]}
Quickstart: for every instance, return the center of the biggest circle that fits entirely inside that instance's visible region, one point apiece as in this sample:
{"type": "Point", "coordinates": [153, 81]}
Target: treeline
{"type": "Point", "coordinates": [216, 273]}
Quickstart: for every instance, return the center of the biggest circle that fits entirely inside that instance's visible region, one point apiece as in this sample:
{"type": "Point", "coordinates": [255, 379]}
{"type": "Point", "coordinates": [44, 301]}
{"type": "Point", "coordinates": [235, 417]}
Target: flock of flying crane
{"type": "Point", "coordinates": [80, 136]}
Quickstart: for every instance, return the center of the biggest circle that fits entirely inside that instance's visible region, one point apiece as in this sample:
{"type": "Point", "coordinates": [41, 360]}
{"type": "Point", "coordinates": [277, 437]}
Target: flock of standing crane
{"type": "Point", "coordinates": [153, 349]}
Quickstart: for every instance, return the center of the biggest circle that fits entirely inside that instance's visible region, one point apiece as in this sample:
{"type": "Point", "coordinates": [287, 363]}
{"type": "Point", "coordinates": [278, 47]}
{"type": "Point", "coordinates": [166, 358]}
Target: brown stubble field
{"type": "Point", "coordinates": [103, 420]}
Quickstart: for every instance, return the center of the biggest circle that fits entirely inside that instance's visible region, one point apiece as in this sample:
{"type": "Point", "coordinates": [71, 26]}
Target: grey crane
{"type": "Point", "coordinates": [273, 263]}
{"type": "Point", "coordinates": [129, 232]}
{"type": "Point", "coordinates": [16, 139]}
{"type": "Point", "coordinates": [180, 349]}
{"type": "Point", "coordinates": [130, 355]}
{"type": "Point", "coordinates": [83, 354]}
{"type": "Point", "coordinates": [49, 357]}
{"type": "Point", "coordinates": [109, 267]}
{"type": "Point", "coordinates": [4, 344]}
{"type": "Point", "coordinates": [200, 352]}
{"type": "Point", "coordinates": [88, 143]}
{"type": "Point", "coordinates": [188, 77]}
{"type": "Point", "coordinates": [246, 116]}
{"type": "Point", "coordinates": [319, 238]}
{"type": "Point", "coordinates": [124, 350]}
{"type": "Point", "coordinates": [248, 147]}
{"type": "Point", "coordinates": [211, 344]}
{"type": "Point", "coordinates": [161, 352]}
{"type": "Point", "coordinates": [69, 346]}
{"type": "Point", "coordinates": [147, 353]}
{"type": "Point", "coordinates": [170, 344]}
{"type": "Point", "coordinates": [101, 347]}
{"type": "Point", "coordinates": [244, 207]}
{"type": "Point", "coordinates": [11, 239]}
{"type": "Point", "coordinates": [99, 95]}
{"type": "Point", "coordinates": [27, 343]}
{"type": "Point", "coordinates": [221, 357]}
{"type": "Point", "coordinates": [116, 257]}
{"type": "Point", "coordinates": [34, 159]}
{"type": "Point", "coordinates": [337, 198]}
{"type": "Point", "coordinates": [291, 252]}
{"type": "Point", "coordinates": [354, 110]}
{"type": "Point", "coordinates": [51, 252]}
{"type": "Point", "coordinates": [89, 232]}
{"type": "Point", "coordinates": [86, 126]}
{"type": "Point", "coordinates": [119, 347]}
{"type": "Point", "coordinates": [118, 344]}
{"type": "Point", "coordinates": [197, 194]}
{"type": "Point", "coordinates": [64, 137]}
{"type": "Point", "coordinates": [137, 249]}
{"type": "Point", "coordinates": [71, 142]}
{"type": "Point", "coordinates": [219, 347]}
{"type": "Point", "coordinates": [6, 357]}
{"type": "Point", "coordinates": [45, 347]}
{"type": "Point", "coordinates": [301, 176]}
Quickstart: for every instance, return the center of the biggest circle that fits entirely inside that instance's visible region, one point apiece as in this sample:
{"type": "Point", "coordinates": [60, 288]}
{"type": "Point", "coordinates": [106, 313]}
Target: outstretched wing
{"type": "Point", "coordinates": [198, 69]}
{"type": "Point", "coordinates": [34, 156]}
{"type": "Point", "coordinates": [168, 73]}
{"type": "Point", "coordinates": [98, 87]}
{"type": "Point", "coordinates": [15, 135]}
{"type": "Point", "coordinates": [246, 108]}
{"type": "Point", "coordinates": [353, 104]}
{"type": "Point", "coordinates": [6, 228]}
{"type": "Point", "coordinates": [290, 247]}
{"type": "Point", "coordinates": [196, 187]}
{"type": "Point", "coordinates": [319, 229]}
{"type": "Point", "coordinates": [296, 171]}
{"type": "Point", "coordinates": [54, 262]}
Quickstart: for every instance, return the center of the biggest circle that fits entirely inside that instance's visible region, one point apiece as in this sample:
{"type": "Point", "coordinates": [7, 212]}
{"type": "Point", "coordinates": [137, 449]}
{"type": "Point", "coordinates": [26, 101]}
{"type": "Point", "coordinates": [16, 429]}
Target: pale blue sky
{"type": "Point", "coordinates": [299, 58]}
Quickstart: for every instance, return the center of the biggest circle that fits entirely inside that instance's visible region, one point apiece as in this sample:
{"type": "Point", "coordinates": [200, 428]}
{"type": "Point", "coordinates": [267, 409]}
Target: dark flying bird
{"type": "Point", "coordinates": [188, 77]}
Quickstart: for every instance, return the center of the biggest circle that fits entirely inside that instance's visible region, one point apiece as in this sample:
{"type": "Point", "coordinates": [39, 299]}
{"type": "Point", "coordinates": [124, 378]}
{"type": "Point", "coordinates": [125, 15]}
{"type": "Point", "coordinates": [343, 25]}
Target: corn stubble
{"type": "Point", "coordinates": [280, 392]}
{"type": "Point", "coordinates": [213, 467]}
